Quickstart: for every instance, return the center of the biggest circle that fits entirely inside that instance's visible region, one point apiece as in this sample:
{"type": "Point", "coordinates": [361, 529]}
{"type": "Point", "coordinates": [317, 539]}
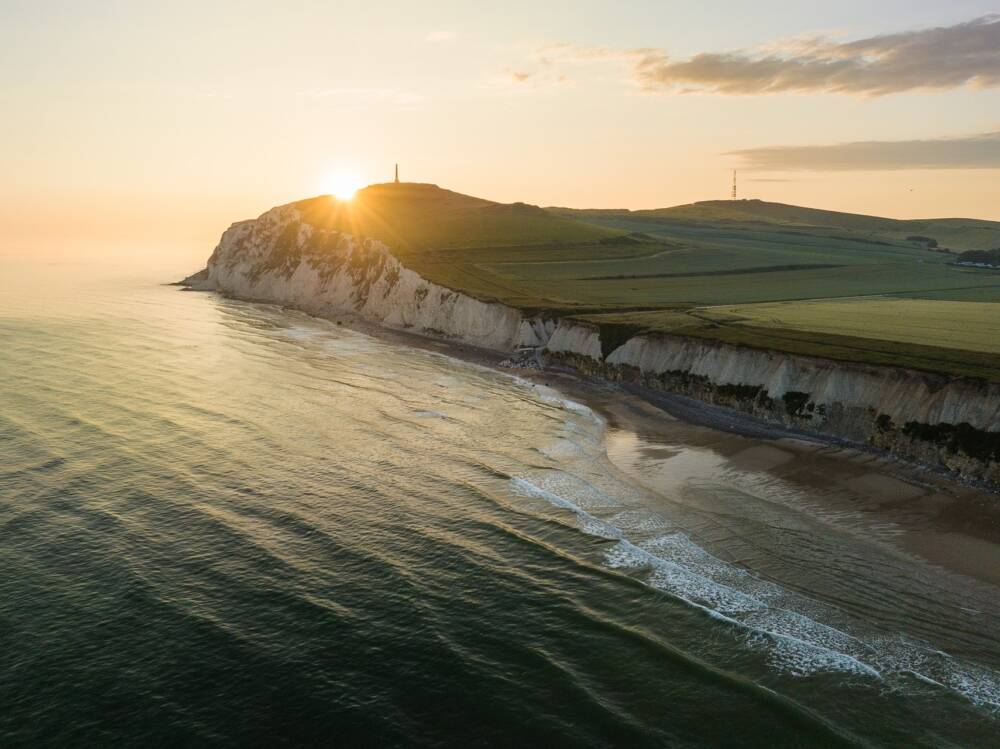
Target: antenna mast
{"type": "Point", "coordinates": [734, 184]}
{"type": "Point", "coordinates": [397, 174]}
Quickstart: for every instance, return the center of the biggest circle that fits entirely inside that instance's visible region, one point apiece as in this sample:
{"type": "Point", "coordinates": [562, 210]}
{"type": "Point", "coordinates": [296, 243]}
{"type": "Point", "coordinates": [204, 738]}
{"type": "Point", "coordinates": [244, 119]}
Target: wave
{"type": "Point", "coordinates": [547, 395]}
{"type": "Point", "coordinates": [793, 643]}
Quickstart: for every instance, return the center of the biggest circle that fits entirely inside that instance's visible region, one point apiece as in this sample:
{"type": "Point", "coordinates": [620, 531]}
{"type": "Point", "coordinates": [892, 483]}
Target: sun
{"type": "Point", "coordinates": [343, 184]}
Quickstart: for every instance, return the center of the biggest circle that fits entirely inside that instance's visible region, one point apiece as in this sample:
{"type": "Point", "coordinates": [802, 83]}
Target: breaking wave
{"type": "Point", "coordinates": [766, 617]}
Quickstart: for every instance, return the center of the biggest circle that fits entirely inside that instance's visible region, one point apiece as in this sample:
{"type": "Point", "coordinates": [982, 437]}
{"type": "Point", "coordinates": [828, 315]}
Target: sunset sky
{"type": "Point", "coordinates": [141, 123]}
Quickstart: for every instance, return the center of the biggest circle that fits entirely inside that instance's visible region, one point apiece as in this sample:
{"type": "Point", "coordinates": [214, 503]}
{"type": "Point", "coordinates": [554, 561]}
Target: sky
{"type": "Point", "coordinates": [136, 125]}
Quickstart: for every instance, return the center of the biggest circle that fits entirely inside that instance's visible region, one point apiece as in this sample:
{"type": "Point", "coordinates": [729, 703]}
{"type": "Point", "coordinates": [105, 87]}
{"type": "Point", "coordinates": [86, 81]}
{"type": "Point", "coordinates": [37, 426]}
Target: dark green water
{"type": "Point", "coordinates": [231, 525]}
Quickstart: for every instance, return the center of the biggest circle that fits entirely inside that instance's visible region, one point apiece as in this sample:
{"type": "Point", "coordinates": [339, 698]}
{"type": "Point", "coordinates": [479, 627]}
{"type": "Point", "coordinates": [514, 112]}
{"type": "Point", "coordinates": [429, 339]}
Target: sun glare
{"type": "Point", "coordinates": [342, 184]}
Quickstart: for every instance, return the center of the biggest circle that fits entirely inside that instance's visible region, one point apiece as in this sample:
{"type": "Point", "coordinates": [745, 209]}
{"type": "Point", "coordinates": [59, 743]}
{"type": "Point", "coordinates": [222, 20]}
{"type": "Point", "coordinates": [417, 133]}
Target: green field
{"type": "Point", "coordinates": [721, 269]}
{"type": "Point", "coordinates": [953, 338]}
{"type": "Point", "coordinates": [972, 326]}
{"type": "Point", "coordinates": [758, 274]}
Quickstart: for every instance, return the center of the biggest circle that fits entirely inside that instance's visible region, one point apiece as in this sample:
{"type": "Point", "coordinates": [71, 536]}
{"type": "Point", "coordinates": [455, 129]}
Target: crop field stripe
{"type": "Point", "coordinates": [968, 326]}
{"type": "Point", "coordinates": [830, 346]}
{"type": "Point", "coordinates": [734, 272]}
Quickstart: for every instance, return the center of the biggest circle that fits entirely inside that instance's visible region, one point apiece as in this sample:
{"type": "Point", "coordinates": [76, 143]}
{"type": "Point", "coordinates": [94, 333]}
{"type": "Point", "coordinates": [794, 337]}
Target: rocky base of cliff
{"type": "Point", "coordinates": [971, 453]}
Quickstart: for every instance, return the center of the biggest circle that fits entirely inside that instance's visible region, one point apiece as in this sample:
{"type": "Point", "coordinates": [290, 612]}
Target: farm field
{"type": "Point", "coordinates": [842, 286]}
{"type": "Point", "coordinates": [869, 344]}
{"type": "Point", "coordinates": [972, 326]}
{"type": "Point", "coordinates": [724, 267]}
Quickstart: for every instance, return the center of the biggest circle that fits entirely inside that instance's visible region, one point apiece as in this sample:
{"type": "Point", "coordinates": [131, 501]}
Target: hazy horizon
{"type": "Point", "coordinates": [129, 125]}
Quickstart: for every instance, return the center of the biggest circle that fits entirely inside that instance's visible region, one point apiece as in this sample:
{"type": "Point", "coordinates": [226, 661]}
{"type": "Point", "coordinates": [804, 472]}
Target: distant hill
{"type": "Point", "coordinates": [412, 217]}
{"type": "Point", "coordinates": [952, 233]}
{"type": "Point", "coordinates": [772, 213]}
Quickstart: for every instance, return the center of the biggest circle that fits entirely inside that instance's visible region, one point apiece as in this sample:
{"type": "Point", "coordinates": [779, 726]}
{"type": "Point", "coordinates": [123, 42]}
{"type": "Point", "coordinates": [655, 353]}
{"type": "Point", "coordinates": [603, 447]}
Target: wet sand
{"type": "Point", "coordinates": [920, 512]}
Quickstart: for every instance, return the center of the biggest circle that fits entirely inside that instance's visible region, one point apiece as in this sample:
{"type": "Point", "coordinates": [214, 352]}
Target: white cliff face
{"type": "Point", "coordinates": [535, 332]}
{"type": "Point", "coordinates": [903, 395]}
{"type": "Point", "coordinates": [280, 259]}
{"type": "Point", "coordinates": [577, 339]}
{"type": "Point", "coordinates": [950, 423]}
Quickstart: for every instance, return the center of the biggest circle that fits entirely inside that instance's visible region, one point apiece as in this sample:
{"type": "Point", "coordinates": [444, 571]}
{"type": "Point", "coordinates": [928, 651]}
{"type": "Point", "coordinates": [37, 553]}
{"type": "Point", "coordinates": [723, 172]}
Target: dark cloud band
{"type": "Point", "coordinates": [967, 54]}
{"type": "Point", "coordinates": [968, 152]}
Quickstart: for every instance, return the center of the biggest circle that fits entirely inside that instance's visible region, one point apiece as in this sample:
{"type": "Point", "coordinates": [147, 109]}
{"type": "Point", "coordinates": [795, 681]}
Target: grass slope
{"type": "Point", "coordinates": [705, 266]}
{"type": "Point", "coordinates": [970, 326]}
{"type": "Point", "coordinates": [413, 217]}
{"type": "Point", "coordinates": [745, 272]}
{"type": "Point", "coordinates": [870, 344]}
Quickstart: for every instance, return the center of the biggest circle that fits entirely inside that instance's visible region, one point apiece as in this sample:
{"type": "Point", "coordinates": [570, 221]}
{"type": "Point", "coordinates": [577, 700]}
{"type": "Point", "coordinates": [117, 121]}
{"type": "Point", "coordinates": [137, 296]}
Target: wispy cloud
{"type": "Point", "coordinates": [934, 59]}
{"type": "Point", "coordinates": [520, 76]}
{"type": "Point", "coordinates": [929, 59]}
{"type": "Point", "coordinates": [964, 152]}
{"type": "Point", "coordinates": [521, 80]}
{"type": "Point", "coordinates": [435, 37]}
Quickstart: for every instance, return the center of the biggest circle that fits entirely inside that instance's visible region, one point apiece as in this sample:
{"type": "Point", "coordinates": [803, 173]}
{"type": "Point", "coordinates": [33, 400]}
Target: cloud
{"type": "Point", "coordinates": [440, 36]}
{"type": "Point", "coordinates": [964, 152]}
{"type": "Point", "coordinates": [516, 80]}
{"type": "Point", "coordinates": [966, 54]}
{"type": "Point", "coordinates": [935, 59]}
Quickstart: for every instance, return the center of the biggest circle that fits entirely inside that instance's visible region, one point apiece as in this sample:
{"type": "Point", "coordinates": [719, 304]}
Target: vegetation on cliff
{"type": "Point", "coordinates": [764, 275]}
{"type": "Point", "coordinates": [981, 257]}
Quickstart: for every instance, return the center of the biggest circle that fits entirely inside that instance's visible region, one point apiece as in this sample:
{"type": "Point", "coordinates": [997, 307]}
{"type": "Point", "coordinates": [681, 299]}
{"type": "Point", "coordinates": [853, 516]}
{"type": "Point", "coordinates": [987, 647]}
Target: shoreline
{"type": "Point", "coordinates": [946, 521]}
{"type": "Point", "coordinates": [681, 407]}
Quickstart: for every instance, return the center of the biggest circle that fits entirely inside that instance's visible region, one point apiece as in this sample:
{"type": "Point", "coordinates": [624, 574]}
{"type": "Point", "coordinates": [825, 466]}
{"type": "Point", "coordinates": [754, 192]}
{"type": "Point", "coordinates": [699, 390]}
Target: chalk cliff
{"type": "Point", "coordinates": [279, 258]}
{"type": "Point", "coordinates": [928, 418]}
{"type": "Point", "coordinates": [283, 259]}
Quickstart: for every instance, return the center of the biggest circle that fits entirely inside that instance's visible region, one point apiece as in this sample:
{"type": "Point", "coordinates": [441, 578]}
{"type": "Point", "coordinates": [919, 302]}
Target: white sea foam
{"type": "Point", "coordinates": [639, 521]}
{"type": "Point", "coordinates": [548, 395]}
{"type": "Point", "coordinates": [588, 523]}
{"type": "Point", "coordinates": [901, 654]}
{"type": "Point", "coordinates": [693, 587]}
{"type": "Point", "coordinates": [556, 486]}
{"type": "Point", "coordinates": [678, 566]}
{"type": "Point", "coordinates": [768, 617]}
{"type": "Point", "coordinates": [563, 449]}
{"type": "Point", "coordinates": [798, 657]}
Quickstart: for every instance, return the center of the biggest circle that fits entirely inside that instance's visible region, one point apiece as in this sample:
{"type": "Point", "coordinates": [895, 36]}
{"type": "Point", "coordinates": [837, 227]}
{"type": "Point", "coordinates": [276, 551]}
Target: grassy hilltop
{"type": "Point", "coordinates": [413, 217]}
{"type": "Point", "coordinates": [768, 275]}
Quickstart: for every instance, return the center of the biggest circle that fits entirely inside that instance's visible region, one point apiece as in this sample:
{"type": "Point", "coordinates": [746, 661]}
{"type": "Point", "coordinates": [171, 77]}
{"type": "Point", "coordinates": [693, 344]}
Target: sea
{"type": "Point", "coordinates": [230, 524]}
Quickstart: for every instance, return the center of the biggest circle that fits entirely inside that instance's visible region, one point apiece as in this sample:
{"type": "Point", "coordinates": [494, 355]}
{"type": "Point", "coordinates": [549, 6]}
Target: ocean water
{"type": "Point", "coordinates": [228, 524]}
